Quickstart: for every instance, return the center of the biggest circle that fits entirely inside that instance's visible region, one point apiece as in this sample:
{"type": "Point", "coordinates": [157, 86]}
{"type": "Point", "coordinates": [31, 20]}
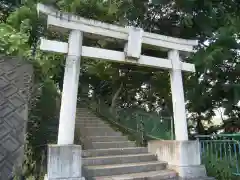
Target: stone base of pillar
{"type": "Point", "coordinates": [190, 172]}
{"type": "Point", "coordinates": [181, 156]}
{"type": "Point", "coordinates": [64, 162]}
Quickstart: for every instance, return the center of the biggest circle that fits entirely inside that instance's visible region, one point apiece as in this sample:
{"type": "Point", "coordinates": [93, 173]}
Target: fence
{"type": "Point", "coordinates": [221, 153]}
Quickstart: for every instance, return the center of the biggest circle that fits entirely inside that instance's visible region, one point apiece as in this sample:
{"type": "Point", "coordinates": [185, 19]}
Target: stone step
{"type": "Point", "coordinates": [113, 133]}
{"type": "Point", "coordinates": [83, 112]}
{"type": "Point", "coordinates": [107, 145]}
{"type": "Point", "coordinates": [114, 151]}
{"type": "Point", "coordinates": [86, 144]}
{"type": "Point", "coordinates": [86, 111]}
{"type": "Point", "coordinates": [151, 175]}
{"type": "Point", "coordinates": [82, 126]}
{"type": "Point", "coordinates": [90, 115]}
{"type": "Point", "coordinates": [94, 125]}
{"type": "Point", "coordinates": [98, 129]}
{"type": "Point", "coordinates": [91, 123]}
{"type": "Point", "coordinates": [85, 115]}
{"type": "Point", "coordinates": [99, 132]}
{"type": "Point", "coordinates": [106, 138]}
{"type": "Point", "coordinates": [104, 160]}
{"type": "Point", "coordinates": [79, 109]}
{"type": "Point", "coordinates": [117, 169]}
{"type": "Point", "coordinates": [86, 118]}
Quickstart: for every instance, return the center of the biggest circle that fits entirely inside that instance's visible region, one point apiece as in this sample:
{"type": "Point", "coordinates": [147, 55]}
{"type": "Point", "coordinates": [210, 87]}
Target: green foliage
{"type": "Point", "coordinates": [42, 129]}
{"type": "Point", "coordinates": [6, 7]}
{"type": "Point", "coordinates": [104, 10]}
{"type": "Point", "coordinates": [221, 169]}
{"type": "Point", "coordinates": [12, 42]}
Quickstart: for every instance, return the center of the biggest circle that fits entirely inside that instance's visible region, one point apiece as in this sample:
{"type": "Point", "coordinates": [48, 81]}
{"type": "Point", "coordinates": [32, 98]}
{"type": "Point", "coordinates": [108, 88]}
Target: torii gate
{"type": "Point", "coordinates": [134, 37]}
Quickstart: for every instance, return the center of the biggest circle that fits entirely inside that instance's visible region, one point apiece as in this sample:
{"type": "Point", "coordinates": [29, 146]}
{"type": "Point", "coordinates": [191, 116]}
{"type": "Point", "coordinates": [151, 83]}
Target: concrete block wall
{"type": "Point", "coordinates": [16, 77]}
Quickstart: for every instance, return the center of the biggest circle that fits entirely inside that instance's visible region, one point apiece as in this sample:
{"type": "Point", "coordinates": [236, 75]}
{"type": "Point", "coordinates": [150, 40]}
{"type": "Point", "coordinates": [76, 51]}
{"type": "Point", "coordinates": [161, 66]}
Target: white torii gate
{"type": "Point", "coordinates": [135, 37]}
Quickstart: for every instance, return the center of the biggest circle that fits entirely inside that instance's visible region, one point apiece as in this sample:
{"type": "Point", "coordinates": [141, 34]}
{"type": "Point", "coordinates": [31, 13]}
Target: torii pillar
{"type": "Point", "coordinates": [70, 89]}
{"type": "Point", "coordinates": [179, 111]}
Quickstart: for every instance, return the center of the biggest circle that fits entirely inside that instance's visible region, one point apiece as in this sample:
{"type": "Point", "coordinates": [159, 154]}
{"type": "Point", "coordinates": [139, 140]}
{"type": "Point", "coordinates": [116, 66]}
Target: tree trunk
{"type": "Point", "coordinates": [200, 128]}
{"type": "Point", "coordinates": [114, 98]}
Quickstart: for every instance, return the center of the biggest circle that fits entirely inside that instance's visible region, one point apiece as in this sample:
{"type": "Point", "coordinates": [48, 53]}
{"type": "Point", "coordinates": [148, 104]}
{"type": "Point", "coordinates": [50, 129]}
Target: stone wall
{"type": "Point", "coordinates": [15, 81]}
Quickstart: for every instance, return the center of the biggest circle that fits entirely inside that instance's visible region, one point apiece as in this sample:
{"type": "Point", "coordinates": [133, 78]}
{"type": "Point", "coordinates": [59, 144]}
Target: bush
{"type": "Point", "coordinates": [221, 169]}
{"type": "Point", "coordinates": [42, 130]}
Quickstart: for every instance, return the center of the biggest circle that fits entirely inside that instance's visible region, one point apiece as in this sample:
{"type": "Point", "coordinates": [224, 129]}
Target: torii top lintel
{"type": "Point", "coordinates": [134, 38]}
{"type": "Point", "coordinates": [62, 20]}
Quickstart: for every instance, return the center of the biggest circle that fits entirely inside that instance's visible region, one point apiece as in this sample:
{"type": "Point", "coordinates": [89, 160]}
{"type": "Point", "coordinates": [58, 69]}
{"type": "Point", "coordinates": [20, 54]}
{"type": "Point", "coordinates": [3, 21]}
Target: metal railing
{"type": "Point", "coordinates": [221, 152]}
{"type": "Point", "coordinates": [153, 124]}
{"type": "Point", "coordinates": [143, 125]}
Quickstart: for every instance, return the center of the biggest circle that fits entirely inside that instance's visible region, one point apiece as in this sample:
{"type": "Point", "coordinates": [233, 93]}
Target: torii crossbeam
{"type": "Point", "coordinates": [134, 38]}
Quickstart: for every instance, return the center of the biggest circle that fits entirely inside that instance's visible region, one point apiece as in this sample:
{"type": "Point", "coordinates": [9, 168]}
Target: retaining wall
{"type": "Point", "coordinates": [16, 77]}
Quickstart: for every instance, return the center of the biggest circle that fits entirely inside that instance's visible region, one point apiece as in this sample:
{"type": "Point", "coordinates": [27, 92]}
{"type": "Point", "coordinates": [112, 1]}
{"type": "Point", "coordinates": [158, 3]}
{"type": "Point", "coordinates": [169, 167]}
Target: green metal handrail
{"type": "Point", "coordinates": [144, 125]}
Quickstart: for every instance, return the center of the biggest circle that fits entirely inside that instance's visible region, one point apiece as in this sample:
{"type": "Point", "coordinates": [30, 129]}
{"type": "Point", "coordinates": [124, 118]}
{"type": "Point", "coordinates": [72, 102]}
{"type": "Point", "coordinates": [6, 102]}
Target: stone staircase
{"type": "Point", "coordinates": [108, 155]}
